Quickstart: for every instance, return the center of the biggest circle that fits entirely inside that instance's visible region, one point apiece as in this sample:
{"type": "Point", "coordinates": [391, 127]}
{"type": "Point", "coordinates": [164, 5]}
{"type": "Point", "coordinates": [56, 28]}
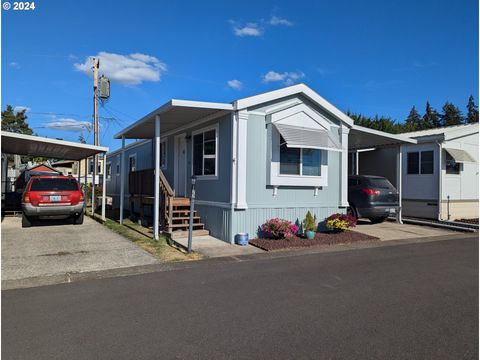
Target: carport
{"type": "Point", "coordinates": [383, 149]}
{"type": "Point", "coordinates": [29, 145]}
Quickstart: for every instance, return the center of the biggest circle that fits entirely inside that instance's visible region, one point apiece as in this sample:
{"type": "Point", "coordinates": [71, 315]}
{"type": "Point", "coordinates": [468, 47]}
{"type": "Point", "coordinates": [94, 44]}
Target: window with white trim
{"type": "Point", "coordinates": [205, 153]}
{"type": "Point", "coordinates": [299, 161]}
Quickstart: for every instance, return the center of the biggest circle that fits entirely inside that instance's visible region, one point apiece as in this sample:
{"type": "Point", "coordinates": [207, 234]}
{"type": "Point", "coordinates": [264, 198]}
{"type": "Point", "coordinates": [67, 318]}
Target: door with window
{"type": "Point", "coordinates": [180, 170]}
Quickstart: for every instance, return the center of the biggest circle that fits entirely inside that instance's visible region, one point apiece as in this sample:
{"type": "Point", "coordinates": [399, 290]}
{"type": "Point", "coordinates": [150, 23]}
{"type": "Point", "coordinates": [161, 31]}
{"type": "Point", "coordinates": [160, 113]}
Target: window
{"type": "Point", "coordinates": [413, 162]}
{"type": "Point", "coordinates": [163, 154]}
{"type": "Point", "coordinates": [109, 170]}
{"type": "Point", "coordinates": [420, 162]}
{"type": "Point", "coordinates": [426, 164]}
{"type": "Point", "coordinates": [205, 153]}
{"type": "Point", "coordinates": [99, 167]}
{"type": "Point", "coordinates": [90, 166]}
{"type": "Point", "coordinates": [296, 161]}
{"type": "Point", "coordinates": [452, 166]}
{"type": "Point", "coordinates": [54, 184]}
{"type": "Point", "coordinates": [118, 165]}
{"type": "Point", "coordinates": [132, 162]}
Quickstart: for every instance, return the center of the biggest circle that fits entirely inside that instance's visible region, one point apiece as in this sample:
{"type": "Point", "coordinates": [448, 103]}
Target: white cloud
{"type": "Point", "coordinates": [275, 20]}
{"type": "Point", "coordinates": [235, 84]}
{"type": "Point", "coordinates": [19, 108]}
{"type": "Point", "coordinates": [130, 69]}
{"type": "Point", "coordinates": [15, 65]}
{"type": "Point", "coordinates": [250, 29]}
{"type": "Point", "coordinates": [288, 78]}
{"type": "Point", "coordinates": [66, 124]}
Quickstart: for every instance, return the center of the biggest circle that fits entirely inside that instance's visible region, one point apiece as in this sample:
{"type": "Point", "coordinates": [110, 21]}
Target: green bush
{"type": "Point", "coordinates": [309, 222]}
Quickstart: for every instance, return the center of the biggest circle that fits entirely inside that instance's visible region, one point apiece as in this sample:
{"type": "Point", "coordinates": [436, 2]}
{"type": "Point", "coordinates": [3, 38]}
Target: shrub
{"type": "Point", "coordinates": [279, 228]}
{"type": "Point", "coordinates": [309, 222]}
{"type": "Point", "coordinates": [340, 222]}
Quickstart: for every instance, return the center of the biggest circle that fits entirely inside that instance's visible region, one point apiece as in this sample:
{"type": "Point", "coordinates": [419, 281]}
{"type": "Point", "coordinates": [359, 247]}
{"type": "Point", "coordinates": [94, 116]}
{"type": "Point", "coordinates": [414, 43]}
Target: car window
{"type": "Point", "coordinates": [53, 184]}
{"type": "Point", "coordinates": [380, 183]}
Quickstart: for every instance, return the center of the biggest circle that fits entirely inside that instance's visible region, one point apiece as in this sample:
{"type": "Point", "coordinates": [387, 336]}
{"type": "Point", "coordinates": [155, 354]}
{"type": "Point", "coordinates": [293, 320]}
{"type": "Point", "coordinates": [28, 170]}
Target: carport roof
{"type": "Point", "coordinates": [364, 138]}
{"type": "Point", "coordinates": [21, 144]}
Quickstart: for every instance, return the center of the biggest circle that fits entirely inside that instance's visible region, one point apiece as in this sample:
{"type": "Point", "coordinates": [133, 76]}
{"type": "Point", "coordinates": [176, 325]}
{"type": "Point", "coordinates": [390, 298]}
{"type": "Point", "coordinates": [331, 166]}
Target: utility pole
{"type": "Point", "coordinates": [96, 65]}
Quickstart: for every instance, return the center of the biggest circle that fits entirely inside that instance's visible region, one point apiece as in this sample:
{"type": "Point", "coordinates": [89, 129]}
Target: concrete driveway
{"type": "Point", "coordinates": [390, 230]}
{"type": "Point", "coordinates": [60, 248]}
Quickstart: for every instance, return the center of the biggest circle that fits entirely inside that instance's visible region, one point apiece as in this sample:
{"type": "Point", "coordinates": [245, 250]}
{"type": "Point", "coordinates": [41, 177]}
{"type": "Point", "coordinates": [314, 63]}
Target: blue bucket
{"type": "Point", "coordinates": [241, 239]}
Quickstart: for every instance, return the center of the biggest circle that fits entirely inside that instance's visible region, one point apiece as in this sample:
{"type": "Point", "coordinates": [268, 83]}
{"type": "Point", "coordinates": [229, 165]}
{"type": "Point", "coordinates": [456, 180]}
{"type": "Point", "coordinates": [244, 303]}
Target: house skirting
{"type": "Point", "coordinates": [460, 209]}
{"type": "Point", "coordinates": [422, 208]}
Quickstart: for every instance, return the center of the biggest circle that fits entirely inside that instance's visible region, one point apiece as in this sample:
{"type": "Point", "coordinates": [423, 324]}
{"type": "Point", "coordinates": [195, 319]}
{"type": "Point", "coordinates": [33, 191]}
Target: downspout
{"type": "Point", "coordinates": [440, 193]}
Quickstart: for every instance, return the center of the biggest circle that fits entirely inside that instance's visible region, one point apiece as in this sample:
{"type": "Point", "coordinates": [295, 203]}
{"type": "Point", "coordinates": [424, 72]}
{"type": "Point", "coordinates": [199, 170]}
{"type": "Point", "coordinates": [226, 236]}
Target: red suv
{"type": "Point", "coordinates": [47, 196]}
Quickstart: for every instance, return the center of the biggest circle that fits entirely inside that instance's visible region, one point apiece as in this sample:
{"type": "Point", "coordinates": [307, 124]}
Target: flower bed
{"type": "Point", "coordinates": [320, 239]}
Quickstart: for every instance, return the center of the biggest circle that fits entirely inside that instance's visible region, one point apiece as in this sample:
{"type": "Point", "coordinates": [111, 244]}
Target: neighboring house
{"type": "Point", "coordinates": [78, 169]}
{"type": "Point", "coordinates": [34, 170]}
{"type": "Point", "coordinates": [440, 177]}
{"type": "Point", "coordinates": [277, 154]}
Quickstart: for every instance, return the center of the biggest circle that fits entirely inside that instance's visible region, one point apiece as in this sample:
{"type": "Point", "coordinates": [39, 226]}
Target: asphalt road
{"type": "Point", "coordinates": [415, 301]}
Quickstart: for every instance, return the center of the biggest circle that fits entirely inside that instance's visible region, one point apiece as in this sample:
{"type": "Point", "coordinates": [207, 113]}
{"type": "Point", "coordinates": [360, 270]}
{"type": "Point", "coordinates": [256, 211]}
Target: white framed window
{"type": "Point", "coordinates": [118, 166]}
{"type": "Point", "coordinates": [205, 152]}
{"type": "Point", "coordinates": [109, 171]}
{"type": "Point", "coordinates": [132, 162]}
{"type": "Point", "coordinates": [163, 153]}
{"type": "Point", "coordinates": [295, 166]}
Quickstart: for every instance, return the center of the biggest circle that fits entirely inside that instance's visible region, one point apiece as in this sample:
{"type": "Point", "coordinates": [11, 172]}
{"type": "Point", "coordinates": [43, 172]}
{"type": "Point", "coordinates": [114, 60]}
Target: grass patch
{"type": "Point", "coordinates": [142, 237]}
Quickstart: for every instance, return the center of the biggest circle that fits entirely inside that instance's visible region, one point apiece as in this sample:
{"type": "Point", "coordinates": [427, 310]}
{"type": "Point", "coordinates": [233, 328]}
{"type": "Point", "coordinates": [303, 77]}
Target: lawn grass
{"type": "Point", "coordinates": [142, 237]}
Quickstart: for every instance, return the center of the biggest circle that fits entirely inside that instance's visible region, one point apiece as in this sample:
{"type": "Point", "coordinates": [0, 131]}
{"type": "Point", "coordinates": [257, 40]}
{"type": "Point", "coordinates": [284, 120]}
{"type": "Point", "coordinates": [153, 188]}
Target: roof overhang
{"type": "Point", "coordinates": [363, 138]}
{"type": "Point", "coordinates": [289, 91]}
{"type": "Point", "coordinates": [21, 144]}
{"type": "Point", "coordinates": [173, 114]}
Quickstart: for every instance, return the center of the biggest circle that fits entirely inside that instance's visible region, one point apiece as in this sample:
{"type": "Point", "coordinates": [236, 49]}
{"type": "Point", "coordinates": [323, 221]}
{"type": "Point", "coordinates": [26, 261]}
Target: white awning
{"type": "Point", "coordinates": [299, 137]}
{"type": "Point", "coordinates": [460, 156]}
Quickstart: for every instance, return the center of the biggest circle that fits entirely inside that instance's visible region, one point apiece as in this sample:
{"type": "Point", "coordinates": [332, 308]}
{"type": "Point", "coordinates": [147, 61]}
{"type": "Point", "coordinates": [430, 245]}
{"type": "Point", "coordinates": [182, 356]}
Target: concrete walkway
{"type": "Point", "coordinates": [213, 247]}
{"type": "Point", "coordinates": [390, 230]}
{"type": "Point", "coordinates": [59, 248]}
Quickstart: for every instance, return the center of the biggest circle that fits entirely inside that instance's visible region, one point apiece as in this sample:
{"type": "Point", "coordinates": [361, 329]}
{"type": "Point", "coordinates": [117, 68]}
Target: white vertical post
{"type": "Point", "coordinates": [241, 198]}
{"type": "Point", "coordinates": [122, 178]}
{"type": "Point", "coordinates": [399, 183]}
{"type": "Point", "coordinates": [344, 166]}
{"type": "Point", "coordinates": [156, 209]}
{"type": "Point", "coordinates": [104, 187]}
{"type": "Point", "coordinates": [356, 162]}
{"type": "Point", "coordinates": [93, 183]}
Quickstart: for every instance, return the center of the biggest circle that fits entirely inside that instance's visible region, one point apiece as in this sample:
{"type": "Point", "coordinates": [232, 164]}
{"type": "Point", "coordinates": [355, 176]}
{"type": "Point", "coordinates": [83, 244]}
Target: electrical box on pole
{"type": "Point", "coordinates": [104, 88]}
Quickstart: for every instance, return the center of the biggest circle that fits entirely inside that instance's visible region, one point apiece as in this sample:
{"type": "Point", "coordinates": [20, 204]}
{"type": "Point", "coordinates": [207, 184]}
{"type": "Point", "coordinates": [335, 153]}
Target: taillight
{"type": "Point", "coordinates": [26, 198]}
{"type": "Point", "coordinates": [371, 192]}
{"type": "Point", "coordinates": [81, 196]}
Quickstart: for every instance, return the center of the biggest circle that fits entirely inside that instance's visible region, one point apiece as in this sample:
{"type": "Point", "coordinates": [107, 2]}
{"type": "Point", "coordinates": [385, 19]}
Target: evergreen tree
{"type": "Point", "coordinates": [15, 122]}
{"type": "Point", "coordinates": [414, 121]}
{"type": "Point", "coordinates": [381, 123]}
{"type": "Point", "coordinates": [431, 118]}
{"type": "Point", "coordinates": [472, 111]}
{"type": "Point", "coordinates": [81, 139]}
{"type": "Point", "coordinates": [451, 115]}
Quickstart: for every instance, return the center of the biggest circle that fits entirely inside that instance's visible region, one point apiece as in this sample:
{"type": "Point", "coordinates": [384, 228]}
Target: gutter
{"type": "Point", "coordinates": [440, 185]}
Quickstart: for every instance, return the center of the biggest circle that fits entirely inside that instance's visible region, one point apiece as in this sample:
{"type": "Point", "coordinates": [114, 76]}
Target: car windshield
{"type": "Point", "coordinates": [54, 184]}
{"type": "Point", "coordinates": [380, 183]}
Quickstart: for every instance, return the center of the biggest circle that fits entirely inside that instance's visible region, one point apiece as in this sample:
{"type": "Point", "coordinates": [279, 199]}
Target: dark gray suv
{"type": "Point", "coordinates": [372, 197]}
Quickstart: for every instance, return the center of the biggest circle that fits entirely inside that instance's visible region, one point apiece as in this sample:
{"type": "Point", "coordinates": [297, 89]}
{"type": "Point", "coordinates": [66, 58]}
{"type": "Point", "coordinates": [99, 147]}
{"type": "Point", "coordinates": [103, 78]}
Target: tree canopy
{"type": "Point", "coordinates": [15, 122]}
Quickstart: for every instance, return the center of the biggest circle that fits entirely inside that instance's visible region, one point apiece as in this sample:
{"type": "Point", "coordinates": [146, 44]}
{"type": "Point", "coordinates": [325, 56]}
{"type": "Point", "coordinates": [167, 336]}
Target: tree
{"type": "Point", "coordinates": [15, 122]}
{"type": "Point", "coordinates": [81, 139]}
{"type": "Point", "coordinates": [431, 118]}
{"type": "Point", "coordinates": [414, 121]}
{"type": "Point", "coordinates": [451, 115]}
{"type": "Point", "coordinates": [472, 111]}
{"type": "Point", "coordinates": [381, 123]}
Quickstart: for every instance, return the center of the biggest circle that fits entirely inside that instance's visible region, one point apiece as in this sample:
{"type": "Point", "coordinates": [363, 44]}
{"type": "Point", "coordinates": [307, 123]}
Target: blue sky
{"type": "Point", "coordinates": [371, 57]}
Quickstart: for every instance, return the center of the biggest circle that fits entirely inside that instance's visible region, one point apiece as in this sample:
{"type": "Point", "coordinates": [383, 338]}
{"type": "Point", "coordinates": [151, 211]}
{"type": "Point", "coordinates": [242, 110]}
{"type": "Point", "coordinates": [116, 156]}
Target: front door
{"type": "Point", "coordinates": [180, 169]}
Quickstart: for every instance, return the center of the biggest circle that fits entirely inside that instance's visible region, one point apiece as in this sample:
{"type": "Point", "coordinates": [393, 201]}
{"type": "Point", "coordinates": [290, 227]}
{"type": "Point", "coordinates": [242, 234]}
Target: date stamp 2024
{"type": "Point", "coordinates": [19, 5]}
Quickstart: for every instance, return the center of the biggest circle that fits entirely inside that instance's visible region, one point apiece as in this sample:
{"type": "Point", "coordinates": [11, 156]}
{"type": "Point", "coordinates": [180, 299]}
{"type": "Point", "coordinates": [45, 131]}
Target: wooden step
{"type": "Point", "coordinates": [179, 234]}
{"type": "Point", "coordinates": [184, 218]}
{"type": "Point", "coordinates": [185, 211]}
{"type": "Point", "coordinates": [186, 225]}
{"type": "Point", "coordinates": [180, 202]}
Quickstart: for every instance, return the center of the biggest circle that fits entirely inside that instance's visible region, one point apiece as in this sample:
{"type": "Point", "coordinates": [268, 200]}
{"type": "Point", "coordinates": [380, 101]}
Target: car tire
{"type": "Point", "coordinates": [78, 220]}
{"type": "Point", "coordinates": [26, 221]}
{"type": "Point", "coordinates": [378, 220]}
{"type": "Point", "coordinates": [351, 210]}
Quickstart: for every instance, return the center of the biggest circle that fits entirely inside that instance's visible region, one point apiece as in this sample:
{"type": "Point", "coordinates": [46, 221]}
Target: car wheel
{"type": "Point", "coordinates": [352, 211]}
{"type": "Point", "coordinates": [378, 220]}
{"type": "Point", "coordinates": [78, 220]}
{"type": "Point", "coordinates": [26, 221]}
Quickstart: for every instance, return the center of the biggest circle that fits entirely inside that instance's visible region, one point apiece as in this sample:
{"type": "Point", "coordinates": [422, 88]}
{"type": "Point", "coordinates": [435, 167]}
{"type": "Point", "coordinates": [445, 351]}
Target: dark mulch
{"type": "Point", "coordinates": [346, 237]}
{"type": "Point", "coordinates": [468, 221]}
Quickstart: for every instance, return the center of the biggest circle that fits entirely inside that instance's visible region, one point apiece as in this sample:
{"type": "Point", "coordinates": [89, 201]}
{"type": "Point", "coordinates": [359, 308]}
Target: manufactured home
{"type": "Point", "coordinates": [276, 154]}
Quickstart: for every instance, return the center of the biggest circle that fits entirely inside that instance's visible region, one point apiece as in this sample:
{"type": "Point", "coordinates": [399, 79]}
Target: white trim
{"type": "Point", "coordinates": [220, 204]}
{"type": "Point", "coordinates": [129, 146]}
{"type": "Point", "coordinates": [344, 131]}
{"type": "Point", "coordinates": [233, 183]}
{"type": "Point", "coordinates": [301, 108]}
{"type": "Point", "coordinates": [242, 123]}
{"type": "Point", "coordinates": [396, 137]}
{"type": "Point", "coordinates": [215, 127]}
{"type": "Point", "coordinates": [156, 208]}
{"type": "Point", "coordinates": [175, 103]}
{"type": "Point", "coordinates": [293, 90]}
